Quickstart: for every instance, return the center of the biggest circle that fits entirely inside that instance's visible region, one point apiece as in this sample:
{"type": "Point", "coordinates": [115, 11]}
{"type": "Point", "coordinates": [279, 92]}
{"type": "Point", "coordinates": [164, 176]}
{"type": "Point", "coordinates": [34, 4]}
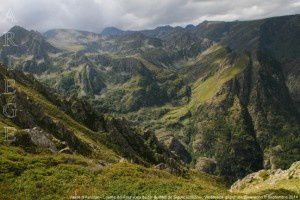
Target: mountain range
{"type": "Point", "coordinates": [220, 98]}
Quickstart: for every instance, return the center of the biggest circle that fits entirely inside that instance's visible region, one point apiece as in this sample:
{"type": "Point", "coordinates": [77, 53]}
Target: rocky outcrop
{"type": "Point", "coordinates": [267, 177]}
{"type": "Point", "coordinates": [131, 144]}
{"type": "Point", "coordinates": [207, 165]}
{"type": "Point", "coordinates": [35, 138]}
{"type": "Point", "coordinates": [42, 139]}
{"type": "Point", "coordinates": [179, 149]}
{"type": "Point", "coordinates": [89, 81]}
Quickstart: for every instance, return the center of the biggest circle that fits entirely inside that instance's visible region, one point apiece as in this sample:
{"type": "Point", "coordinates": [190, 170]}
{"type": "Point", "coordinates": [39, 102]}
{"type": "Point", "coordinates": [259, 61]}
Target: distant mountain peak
{"type": "Point", "coordinates": [18, 31]}
{"type": "Point", "coordinates": [165, 28]}
{"type": "Point", "coordinates": [29, 43]}
{"type": "Point", "coordinates": [190, 27]}
{"type": "Point", "coordinates": [17, 28]}
{"type": "Point", "coordinates": [112, 31]}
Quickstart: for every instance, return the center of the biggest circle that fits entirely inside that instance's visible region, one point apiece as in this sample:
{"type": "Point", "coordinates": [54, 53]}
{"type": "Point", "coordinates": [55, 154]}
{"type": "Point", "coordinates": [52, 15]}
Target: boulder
{"type": "Point", "coordinates": [35, 137]}
{"type": "Point", "coordinates": [41, 139]}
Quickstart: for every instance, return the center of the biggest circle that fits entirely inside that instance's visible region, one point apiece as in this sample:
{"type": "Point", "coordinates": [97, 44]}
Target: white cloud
{"type": "Point", "coordinates": [94, 15]}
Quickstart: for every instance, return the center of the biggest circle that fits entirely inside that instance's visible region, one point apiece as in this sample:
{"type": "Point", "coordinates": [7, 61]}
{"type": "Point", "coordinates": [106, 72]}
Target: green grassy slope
{"type": "Point", "coordinates": [44, 176]}
{"type": "Point", "coordinates": [62, 176]}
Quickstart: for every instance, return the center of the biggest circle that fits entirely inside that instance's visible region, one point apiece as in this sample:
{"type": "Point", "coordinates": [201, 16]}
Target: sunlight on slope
{"type": "Point", "coordinates": [29, 176]}
{"type": "Point", "coordinates": [204, 90]}
{"type": "Point", "coordinates": [206, 87]}
{"type": "Point", "coordinates": [58, 115]}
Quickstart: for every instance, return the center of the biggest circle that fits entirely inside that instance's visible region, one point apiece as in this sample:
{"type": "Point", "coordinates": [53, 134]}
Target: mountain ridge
{"type": "Point", "coordinates": [182, 83]}
{"type": "Point", "coordinates": [66, 149]}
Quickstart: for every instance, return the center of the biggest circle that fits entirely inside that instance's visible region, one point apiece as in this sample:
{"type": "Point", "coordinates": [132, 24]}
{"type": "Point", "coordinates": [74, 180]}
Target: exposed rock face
{"type": "Point", "coordinates": [41, 138]}
{"type": "Point", "coordinates": [268, 177]}
{"type": "Point", "coordinates": [89, 81]}
{"type": "Point", "coordinates": [255, 125]}
{"type": "Point", "coordinates": [179, 149]}
{"type": "Point", "coordinates": [141, 148]}
{"type": "Point", "coordinates": [207, 165]}
{"type": "Point", "coordinates": [38, 138]}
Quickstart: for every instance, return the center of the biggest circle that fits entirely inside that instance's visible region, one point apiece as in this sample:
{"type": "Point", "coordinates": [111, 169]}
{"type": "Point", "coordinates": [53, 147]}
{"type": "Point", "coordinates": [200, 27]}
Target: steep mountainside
{"type": "Point", "coordinates": [72, 124]}
{"type": "Point", "coordinates": [222, 96]}
{"type": "Point", "coordinates": [56, 148]}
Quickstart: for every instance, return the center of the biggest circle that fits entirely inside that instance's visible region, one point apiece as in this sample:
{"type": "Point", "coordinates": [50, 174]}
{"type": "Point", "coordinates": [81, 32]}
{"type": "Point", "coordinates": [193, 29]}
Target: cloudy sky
{"type": "Point", "coordinates": [94, 15]}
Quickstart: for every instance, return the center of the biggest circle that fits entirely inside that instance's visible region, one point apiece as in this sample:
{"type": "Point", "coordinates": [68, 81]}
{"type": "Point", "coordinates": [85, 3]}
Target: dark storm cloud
{"type": "Point", "coordinates": [94, 15]}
